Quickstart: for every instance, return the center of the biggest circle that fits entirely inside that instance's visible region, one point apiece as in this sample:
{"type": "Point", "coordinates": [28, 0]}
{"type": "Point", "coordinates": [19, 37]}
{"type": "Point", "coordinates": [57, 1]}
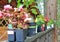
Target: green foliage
{"type": "Point", "coordinates": [58, 13]}
{"type": "Point", "coordinates": [50, 22]}
{"type": "Point", "coordinates": [9, 1]}
{"type": "Point", "coordinates": [34, 11]}
{"type": "Point", "coordinates": [28, 2]}
{"type": "Point", "coordinates": [40, 20]}
{"type": "Point", "coordinates": [25, 2]}
{"type": "Point", "coordinates": [18, 3]}
{"type": "Point", "coordinates": [58, 23]}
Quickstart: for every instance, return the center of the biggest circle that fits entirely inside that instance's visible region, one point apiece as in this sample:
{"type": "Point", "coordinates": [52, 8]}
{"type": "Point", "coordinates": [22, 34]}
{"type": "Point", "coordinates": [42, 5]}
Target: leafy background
{"type": "Point", "coordinates": [58, 13]}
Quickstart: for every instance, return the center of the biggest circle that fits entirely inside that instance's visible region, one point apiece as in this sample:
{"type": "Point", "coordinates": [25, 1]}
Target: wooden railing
{"type": "Point", "coordinates": [3, 33]}
{"type": "Point", "coordinates": [46, 36]}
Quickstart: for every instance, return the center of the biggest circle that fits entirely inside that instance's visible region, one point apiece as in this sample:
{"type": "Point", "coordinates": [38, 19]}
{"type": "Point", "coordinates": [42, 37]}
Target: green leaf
{"type": "Point", "coordinates": [50, 22]}
{"type": "Point", "coordinates": [18, 3]}
{"type": "Point", "coordinates": [34, 11]}
{"type": "Point", "coordinates": [9, 1]}
{"type": "Point", "coordinates": [31, 1]}
{"type": "Point", "coordinates": [40, 20]}
{"type": "Point", "coordinates": [28, 2]}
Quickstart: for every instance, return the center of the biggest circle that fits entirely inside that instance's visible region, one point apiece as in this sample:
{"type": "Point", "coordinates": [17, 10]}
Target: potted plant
{"type": "Point", "coordinates": [50, 24]}
{"type": "Point", "coordinates": [32, 25]}
{"type": "Point", "coordinates": [39, 21]}
{"type": "Point", "coordinates": [6, 15]}
{"type": "Point", "coordinates": [21, 31]}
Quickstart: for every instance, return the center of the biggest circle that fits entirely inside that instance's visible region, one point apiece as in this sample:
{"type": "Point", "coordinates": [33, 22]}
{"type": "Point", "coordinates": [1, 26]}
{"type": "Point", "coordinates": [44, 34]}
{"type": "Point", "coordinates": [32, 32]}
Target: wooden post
{"type": "Point", "coordinates": [51, 13]}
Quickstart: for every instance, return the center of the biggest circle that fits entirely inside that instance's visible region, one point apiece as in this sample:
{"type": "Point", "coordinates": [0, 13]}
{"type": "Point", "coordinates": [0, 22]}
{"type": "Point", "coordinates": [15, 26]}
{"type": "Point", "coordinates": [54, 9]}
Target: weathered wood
{"type": "Point", "coordinates": [41, 37]}
{"type": "Point", "coordinates": [51, 9]}
{"type": "Point", "coordinates": [3, 33]}
{"type": "Point", "coordinates": [51, 13]}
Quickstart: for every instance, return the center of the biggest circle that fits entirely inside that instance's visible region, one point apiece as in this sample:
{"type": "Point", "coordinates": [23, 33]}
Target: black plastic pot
{"type": "Point", "coordinates": [32, 24]}
{"type": "Point", "coordinates": [45, 28]}
{"type": "Point", "coordinates": [32, 29]}
{"type": "Point", "coordinates": [39, 29]}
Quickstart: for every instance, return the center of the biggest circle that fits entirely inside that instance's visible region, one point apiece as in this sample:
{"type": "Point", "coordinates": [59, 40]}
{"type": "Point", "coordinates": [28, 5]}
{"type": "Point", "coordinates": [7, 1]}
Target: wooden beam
{"type": "Point", "coordinates": [51, 13]}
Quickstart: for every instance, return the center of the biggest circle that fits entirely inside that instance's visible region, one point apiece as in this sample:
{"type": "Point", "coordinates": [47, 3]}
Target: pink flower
{"type": "Point", "coordinates": [8, 14]}
{"type": "Point", "coordinates": [21, 9]}
{"type": "Point", "coordinates": [26, 14]}
{"type": "Point", "coordinates": [1, 14]}
{"type": "Point", "coordinates": [15, 9]}
{"type": "Point", "coordinates": [7, 7]}
{"type": "Point", "coordinates": [46, 19]}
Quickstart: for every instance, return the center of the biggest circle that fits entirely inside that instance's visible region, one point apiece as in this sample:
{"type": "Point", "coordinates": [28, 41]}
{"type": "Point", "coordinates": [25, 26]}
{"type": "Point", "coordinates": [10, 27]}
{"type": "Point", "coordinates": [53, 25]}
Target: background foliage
{"type": "Point", "coordinates": [58, 13]}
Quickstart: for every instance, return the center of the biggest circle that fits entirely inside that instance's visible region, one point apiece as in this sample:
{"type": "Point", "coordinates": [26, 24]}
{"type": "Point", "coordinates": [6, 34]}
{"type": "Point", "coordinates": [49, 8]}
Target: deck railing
{"type": "Point", "coordinates": [46, 36]}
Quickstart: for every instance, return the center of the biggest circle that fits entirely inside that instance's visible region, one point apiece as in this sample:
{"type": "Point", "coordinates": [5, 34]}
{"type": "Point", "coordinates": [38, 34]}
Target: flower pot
{"type": "Point", "coordinates": [10, 35]}
{"type": "Point", "coordinates": [32, 29]}
{"type": "Point", "coordinates": [39, 29]}
{"type": "Point", "coordinates": [45, 28]}
{"type": "Point", "coordinates": [21, 35]}
{"type": "Point", "coordinates": [32, 24]}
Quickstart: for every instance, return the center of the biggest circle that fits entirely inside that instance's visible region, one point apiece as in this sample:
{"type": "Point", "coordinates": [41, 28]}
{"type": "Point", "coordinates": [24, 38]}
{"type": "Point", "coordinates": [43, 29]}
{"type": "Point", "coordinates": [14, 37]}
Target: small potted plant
{"type": "Point", "coordinates": [21, 31]}
{"type": "Point", "coordinates": [32, 24]}
{"type": "Point", "coordinates": [50, 24]}
{"type": "Point", "coordinates": [7, 15]}
{"type": "Point", "coordinates": [39, 21]}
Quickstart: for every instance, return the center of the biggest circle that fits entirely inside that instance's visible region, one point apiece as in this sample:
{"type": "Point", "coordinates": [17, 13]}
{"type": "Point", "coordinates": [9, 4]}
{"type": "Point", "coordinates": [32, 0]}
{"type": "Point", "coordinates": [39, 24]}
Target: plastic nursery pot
{"type": "Point", "coordinates": [32, 29]}
{"type": "Point", "coordinates": [11, 35]}
{"type": "Point", "coordinates": [21, 35]}
{"type": "Point", "coordinates": [39, 29]}
{"type": "Point", "coordinates": [32, 24]}
{"type": "Point", "coordinates": [45, 28]}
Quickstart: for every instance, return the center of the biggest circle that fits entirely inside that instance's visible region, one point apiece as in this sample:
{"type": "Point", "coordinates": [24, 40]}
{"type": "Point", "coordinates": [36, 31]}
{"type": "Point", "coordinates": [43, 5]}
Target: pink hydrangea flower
{"type": "Point", "coordinates": [7, 7]}
{"type": "Point", "coordinates": [8, 14]}
{"type": "Point", "coordinates": [1, 14]}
